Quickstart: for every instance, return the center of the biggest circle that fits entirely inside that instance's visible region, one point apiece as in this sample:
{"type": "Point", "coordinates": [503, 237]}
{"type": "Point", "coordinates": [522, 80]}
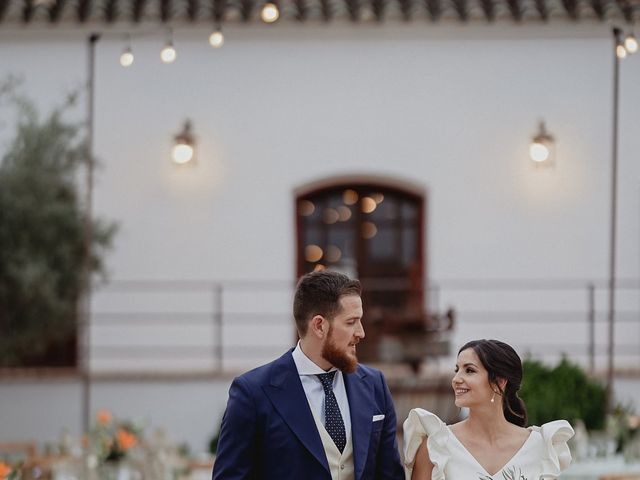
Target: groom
{"type": "Point", "coordinates": [314, 413]}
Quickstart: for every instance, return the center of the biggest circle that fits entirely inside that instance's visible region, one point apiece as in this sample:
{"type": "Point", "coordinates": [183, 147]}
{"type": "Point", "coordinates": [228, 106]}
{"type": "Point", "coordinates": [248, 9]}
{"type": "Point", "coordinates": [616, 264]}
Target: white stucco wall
{"type": "Point", "coordinates": [276, 109]}
{"type": "Point", "coordinates": [451, 108]}
{"type": "Point", "coordinates": [448, 107]}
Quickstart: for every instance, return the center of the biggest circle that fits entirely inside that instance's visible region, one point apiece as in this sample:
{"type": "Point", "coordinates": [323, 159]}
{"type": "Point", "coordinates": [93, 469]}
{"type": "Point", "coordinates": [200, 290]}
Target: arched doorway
{"type": "Point", "coordinates": [374, 230]}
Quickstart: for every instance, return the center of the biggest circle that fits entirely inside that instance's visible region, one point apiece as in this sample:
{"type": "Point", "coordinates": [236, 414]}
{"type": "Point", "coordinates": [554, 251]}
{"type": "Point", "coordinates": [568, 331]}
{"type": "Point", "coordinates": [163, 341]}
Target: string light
{"type": "Point", "coordinates": [631, 43]}
{"type": "Point", "coordinates": [625, 47]}
{"type": "Point", "coordinates": [621, 52]}
{"type": "Point", "coordinates": [126, 57]}
{"type": "Point", "coordinates": [168, 53]}
{"type": "Point", "coordinates": [270, 12]}
{"type": "Point", "coordinates": [216, 39]}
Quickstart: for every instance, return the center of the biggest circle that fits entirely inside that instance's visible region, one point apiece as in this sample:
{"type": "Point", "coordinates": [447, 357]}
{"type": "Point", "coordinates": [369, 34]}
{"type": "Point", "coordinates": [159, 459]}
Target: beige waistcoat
{"type": "Point", "coordinates": [340, 465]}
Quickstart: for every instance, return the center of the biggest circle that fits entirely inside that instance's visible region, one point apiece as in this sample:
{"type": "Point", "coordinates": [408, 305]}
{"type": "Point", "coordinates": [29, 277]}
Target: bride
{"type": "Point", "coordinates": [492, 443]}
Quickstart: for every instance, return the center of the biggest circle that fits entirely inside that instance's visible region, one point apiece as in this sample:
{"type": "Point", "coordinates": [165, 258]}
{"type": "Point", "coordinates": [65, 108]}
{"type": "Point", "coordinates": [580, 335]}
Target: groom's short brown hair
{"type": "Point", "coordinates": [319, 293]}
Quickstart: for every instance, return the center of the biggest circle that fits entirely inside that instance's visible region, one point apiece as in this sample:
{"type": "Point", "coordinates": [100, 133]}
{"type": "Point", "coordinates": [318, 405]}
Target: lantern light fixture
{"type": "Point", "coordinates": [183, 151]}
{"type": "Point", "coordinates": [541, 150]}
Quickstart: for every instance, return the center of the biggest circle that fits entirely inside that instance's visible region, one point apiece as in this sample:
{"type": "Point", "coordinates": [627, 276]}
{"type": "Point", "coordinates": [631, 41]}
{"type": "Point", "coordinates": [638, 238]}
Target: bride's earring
{"type": "Point", "coordinates": [493, 397]}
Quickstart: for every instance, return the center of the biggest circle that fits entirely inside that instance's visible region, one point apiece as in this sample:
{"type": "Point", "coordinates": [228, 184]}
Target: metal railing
{"type": "Point", "coordinates": [221, 327]}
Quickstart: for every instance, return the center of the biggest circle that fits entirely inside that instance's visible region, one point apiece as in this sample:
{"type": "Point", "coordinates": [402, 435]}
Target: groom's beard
{"type": "Point", "coordinates": [338, 357]}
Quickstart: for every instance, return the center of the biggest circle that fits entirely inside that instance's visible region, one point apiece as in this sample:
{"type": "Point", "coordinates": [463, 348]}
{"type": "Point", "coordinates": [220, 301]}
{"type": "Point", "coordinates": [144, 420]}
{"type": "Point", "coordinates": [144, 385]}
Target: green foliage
{"type": "Point", "coordinates": [562, 392]}
{"type": "Point", "coordinates": [42, 240]}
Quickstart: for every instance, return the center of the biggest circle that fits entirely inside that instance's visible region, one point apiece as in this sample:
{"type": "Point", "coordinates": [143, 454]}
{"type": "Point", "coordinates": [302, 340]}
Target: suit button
{"type": "Point", "coordinates": [342, 467]}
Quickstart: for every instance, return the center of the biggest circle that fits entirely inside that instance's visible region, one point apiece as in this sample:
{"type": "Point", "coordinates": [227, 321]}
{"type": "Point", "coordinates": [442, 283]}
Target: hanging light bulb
{"type": "Point", "coordinates": [126, 58]}
{"type": "Point", "coordinates": [621, 52]}
{"type": "Point", "coordinates": [168, 54]}
{"type": "Point", "coordinates": [216, 39]}
{"type": "Point", "coordinates": [269, 12]}
{"type": "Point", "coordinates": [631, 43]}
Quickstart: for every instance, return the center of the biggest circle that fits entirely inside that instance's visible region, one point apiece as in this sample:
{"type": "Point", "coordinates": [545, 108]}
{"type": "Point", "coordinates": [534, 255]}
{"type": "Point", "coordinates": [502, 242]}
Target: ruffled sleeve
{"type": "Point", "coordinates": [421, 423]}
{"type": "Point", "coordinates": [557, 454]}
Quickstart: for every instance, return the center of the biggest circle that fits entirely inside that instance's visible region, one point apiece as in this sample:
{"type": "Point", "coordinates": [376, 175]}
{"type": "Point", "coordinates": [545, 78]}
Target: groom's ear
{"type": "Point", "coordinates": [318, 326]}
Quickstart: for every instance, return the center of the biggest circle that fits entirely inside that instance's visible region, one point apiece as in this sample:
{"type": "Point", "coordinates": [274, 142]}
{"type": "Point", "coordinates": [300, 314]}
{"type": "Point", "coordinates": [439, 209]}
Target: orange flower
{"type": "Point", "coordinates": [4, 470]}
{"type": "Point", "coordinates": [104, 417]}
{"type": "Point", "coordinates": [126, 440]}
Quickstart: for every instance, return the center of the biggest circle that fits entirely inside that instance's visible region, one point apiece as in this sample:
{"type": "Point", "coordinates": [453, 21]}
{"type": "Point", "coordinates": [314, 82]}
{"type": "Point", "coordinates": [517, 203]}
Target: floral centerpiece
{"type": "Point", "coordinates": [7, 472]}
{"type": "Point", "coordinates": [116, 448]}
{"type": "Point", "coordinates": [113, 440]}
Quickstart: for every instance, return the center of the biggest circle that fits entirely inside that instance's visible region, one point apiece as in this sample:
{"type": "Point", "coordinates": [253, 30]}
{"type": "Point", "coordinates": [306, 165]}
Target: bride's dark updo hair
{"type": "Point", "coordinates": [502, 362]}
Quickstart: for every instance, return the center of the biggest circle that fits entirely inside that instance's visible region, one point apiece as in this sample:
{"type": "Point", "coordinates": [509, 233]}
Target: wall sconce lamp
{"type": "Point", "coordinates": [183, 150]}
{"type": "Point", "coordinates": [542, 148]}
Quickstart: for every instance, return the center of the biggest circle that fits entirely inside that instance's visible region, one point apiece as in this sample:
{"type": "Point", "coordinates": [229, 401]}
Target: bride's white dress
{"type": "Point", "coordinates": [542, 456]}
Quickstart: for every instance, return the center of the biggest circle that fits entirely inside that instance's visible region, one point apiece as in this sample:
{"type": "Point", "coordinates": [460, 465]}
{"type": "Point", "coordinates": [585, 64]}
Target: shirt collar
{"type": "Point", "coordinates": [304, 364]}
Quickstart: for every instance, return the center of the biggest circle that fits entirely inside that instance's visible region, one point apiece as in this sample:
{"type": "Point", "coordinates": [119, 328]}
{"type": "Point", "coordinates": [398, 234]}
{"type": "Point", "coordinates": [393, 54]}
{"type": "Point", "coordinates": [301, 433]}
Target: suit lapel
{"type": "Point", "coordinates": [287, 395]}
{"type": "Point", "coordinates": [360, 394]}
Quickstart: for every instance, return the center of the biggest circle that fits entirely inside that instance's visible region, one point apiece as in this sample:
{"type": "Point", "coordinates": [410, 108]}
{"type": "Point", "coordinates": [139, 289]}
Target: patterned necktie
{"type": "Point", "coordinates": [332, 419]}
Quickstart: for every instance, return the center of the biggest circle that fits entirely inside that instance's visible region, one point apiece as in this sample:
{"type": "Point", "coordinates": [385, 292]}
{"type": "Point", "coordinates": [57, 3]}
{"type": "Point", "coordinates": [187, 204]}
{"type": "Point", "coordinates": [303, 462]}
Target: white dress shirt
{"type": "Point", "coordinates": [314, 391]}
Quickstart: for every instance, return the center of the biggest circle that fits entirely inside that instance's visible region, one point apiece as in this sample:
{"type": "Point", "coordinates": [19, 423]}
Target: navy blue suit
{"type": "Point", "coordinates": [268, 431]}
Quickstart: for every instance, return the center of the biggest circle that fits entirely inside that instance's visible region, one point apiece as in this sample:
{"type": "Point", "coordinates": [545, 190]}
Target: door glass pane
{"type": "Point", "coordinates": [365, 231]}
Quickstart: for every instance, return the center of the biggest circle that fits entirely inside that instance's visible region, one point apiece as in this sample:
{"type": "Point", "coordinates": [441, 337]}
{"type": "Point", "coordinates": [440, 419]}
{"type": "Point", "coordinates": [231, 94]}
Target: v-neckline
{"type": "Point", "coordinates": [484, 470]}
